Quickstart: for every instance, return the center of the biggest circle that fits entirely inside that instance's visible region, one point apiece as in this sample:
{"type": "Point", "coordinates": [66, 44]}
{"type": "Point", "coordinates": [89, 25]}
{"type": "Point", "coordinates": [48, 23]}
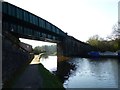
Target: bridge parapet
{"type": "Point", "coordinates": [25, 24]}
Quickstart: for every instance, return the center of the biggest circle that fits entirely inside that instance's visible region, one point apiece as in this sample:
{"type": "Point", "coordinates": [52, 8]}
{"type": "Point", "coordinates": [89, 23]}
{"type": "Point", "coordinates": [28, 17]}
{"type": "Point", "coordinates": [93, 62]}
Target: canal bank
{"type": "Point", "coordinates": [36, 76]}
{"type": "Point", "coordinates": [49, 79]}
{"type": "Point", "coordinates": [85, 73]}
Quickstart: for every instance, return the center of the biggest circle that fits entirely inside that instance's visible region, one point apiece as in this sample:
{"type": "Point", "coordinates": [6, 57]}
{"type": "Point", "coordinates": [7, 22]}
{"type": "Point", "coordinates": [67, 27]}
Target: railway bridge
{"type": "Point", "coordinates": [19, 23]}
{"type": "Point", "coordinates": [23, 24]}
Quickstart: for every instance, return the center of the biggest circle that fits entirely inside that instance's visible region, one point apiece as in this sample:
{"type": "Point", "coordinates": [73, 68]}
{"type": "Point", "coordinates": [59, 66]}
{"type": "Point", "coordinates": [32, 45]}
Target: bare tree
{"type": "Point", "coordinates": [116, 31]}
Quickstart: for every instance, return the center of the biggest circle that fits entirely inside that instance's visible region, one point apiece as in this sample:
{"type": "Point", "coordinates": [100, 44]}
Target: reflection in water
{"type": "Point", "coordinates": [49, 63]}
{"type": "Point", "coordinates": [84, 72]}
{"type": "Point", "coordinates": [64, 70]}
{"type": "Point", "coordinates": [93, 74]}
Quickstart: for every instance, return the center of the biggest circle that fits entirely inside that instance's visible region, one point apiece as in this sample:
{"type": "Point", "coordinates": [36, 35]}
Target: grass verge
{"type": "Point", "coordinates": [49, 80]}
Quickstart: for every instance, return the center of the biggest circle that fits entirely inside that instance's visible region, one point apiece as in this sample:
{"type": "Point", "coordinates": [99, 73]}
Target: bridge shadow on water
{"type": "Point", "coordinates": [64, 70]}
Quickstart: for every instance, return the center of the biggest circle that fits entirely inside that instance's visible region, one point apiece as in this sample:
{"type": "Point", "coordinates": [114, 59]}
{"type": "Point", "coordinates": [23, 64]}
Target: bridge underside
{"type": "Point", "coordinates": [67, 47]}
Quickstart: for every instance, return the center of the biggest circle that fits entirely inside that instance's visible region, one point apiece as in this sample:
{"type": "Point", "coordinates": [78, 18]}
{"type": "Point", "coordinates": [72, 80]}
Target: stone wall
{"type": "Point", "coordinates": [13, 58]}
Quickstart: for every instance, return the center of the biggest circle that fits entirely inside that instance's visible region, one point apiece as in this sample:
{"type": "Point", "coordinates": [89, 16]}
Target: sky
{"type": "Point", "coordinates": [79, 18]}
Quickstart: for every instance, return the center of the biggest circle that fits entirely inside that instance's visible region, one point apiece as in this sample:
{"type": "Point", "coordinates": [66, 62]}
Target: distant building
{"type": "Point", "coordinates": [25, 46]}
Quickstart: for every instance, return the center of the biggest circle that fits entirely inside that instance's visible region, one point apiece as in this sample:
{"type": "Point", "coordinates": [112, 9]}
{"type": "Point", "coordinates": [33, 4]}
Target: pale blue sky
{"type": "Point", "coordinates": [79, 18]}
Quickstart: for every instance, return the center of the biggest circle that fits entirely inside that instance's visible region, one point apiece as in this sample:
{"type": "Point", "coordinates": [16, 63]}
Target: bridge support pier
{"type": "Point", "coordinates": [70, 47]}
{"type": "Point", "coordinates": [63, 50]}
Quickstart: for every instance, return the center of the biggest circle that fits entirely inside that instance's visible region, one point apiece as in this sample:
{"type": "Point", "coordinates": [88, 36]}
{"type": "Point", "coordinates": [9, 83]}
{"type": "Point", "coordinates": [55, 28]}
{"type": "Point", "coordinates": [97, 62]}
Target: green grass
{"type": "Point", "coordinates": [49, 80]}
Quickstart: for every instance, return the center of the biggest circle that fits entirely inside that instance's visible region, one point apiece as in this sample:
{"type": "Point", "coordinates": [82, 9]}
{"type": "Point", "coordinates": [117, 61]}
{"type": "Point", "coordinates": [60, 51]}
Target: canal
{"type": "Point", "coordinates": [84, 72]}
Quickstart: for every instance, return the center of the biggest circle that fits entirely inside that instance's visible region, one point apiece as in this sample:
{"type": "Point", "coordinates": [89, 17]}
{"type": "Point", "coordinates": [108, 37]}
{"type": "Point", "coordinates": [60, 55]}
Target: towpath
{"type": "Point", "coordinates": [30, 78]}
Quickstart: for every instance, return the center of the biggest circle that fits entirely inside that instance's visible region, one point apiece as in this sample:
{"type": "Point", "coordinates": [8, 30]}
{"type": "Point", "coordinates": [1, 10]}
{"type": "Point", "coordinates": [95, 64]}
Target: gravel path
{"type": "Point", "coordinates": [31, 77]}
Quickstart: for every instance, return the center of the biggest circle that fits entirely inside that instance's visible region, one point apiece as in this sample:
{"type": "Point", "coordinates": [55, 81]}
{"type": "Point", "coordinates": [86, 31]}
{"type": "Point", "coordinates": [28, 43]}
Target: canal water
{"type": "Point", "coordinates": [49, 63]}
{"type": "Point", "coordinates": [85, 72]}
